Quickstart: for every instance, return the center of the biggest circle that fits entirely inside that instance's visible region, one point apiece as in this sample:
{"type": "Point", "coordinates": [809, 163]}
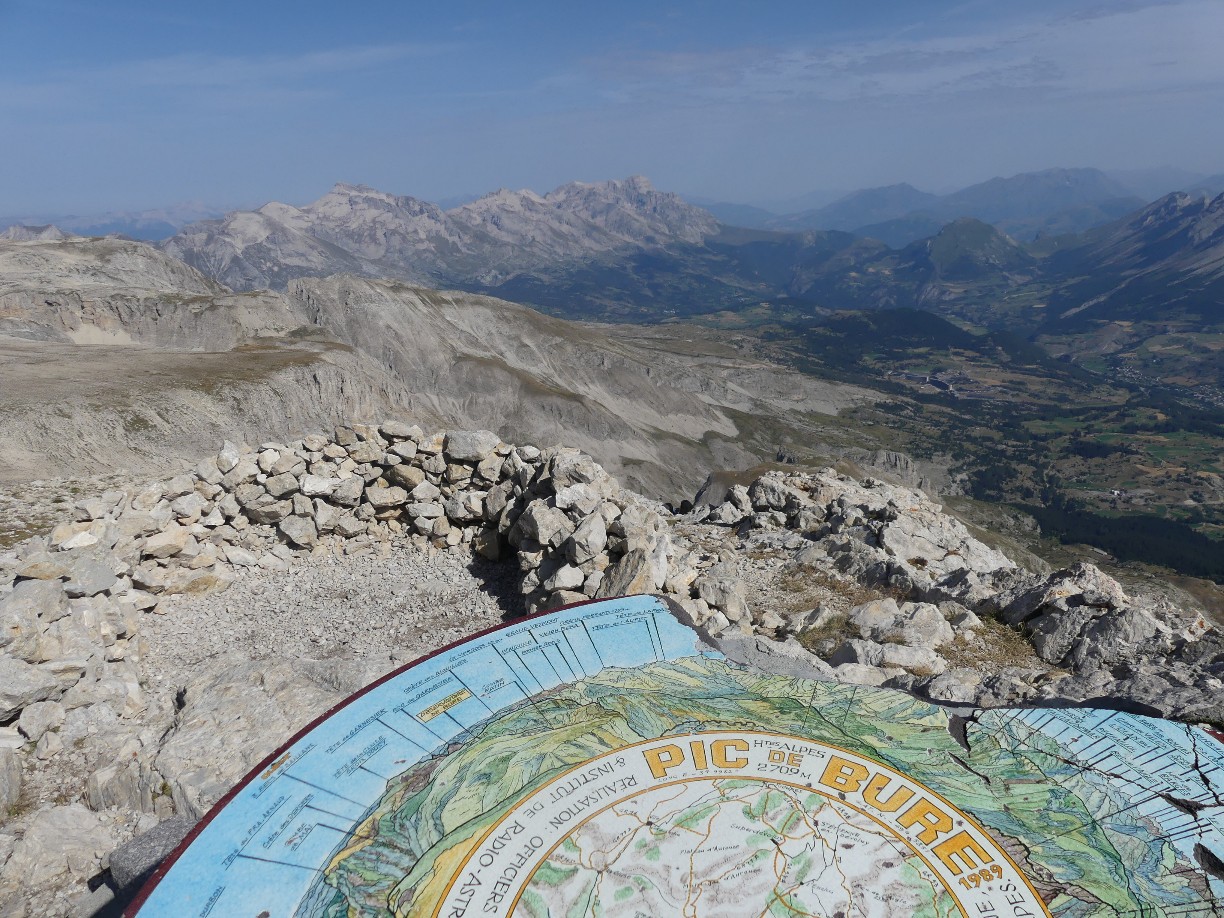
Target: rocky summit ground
{"type": "Point", "coordinates": [157, 640]}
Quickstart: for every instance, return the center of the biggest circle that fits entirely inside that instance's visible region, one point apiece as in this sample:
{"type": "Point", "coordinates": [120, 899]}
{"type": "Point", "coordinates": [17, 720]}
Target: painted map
{"type": "Point", "coordinates": [604, 761]}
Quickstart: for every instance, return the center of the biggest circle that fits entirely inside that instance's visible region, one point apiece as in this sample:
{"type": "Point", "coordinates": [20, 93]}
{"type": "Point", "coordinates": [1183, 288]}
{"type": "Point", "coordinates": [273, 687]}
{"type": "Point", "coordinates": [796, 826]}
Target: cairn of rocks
{"type": "Point", "coordinates": [72, 604]}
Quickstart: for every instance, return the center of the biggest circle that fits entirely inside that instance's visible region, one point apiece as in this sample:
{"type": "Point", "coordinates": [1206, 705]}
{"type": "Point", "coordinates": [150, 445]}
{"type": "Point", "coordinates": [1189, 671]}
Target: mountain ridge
{"type": "Point", "coordinates": [361, 230]}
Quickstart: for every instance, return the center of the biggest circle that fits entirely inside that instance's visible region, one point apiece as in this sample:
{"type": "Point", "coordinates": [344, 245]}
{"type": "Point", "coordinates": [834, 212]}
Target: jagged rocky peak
{"type": "Point", "coordinates": [665, 210]}
{"type": "Point", "coordinates": [361, 230]}
{"type": "Point", "coordinates": [356, 198]}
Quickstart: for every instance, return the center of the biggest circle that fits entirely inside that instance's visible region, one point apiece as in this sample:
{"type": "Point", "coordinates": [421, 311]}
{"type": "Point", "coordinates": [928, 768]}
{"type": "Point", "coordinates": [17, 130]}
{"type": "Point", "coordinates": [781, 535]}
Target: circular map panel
{"type": "Point", "coordinates": [723, 824]}
{"type": "Point", "coordinates": [605, 760]}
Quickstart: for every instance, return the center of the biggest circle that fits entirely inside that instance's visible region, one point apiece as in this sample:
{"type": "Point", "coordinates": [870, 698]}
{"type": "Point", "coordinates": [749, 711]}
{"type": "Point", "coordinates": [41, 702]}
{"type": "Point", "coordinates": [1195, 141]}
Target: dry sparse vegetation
{"type": "Point", "coordinates": [999, 646]}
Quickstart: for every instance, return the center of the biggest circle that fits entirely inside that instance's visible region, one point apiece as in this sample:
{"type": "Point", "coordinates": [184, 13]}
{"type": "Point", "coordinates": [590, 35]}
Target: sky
{"type": "Point", "coordinates": [127, 105]}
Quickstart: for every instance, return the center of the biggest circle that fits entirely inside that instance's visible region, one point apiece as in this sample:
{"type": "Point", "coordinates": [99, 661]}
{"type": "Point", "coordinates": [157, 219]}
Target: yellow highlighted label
{"type": "Point", "coordinates": [441, 707]}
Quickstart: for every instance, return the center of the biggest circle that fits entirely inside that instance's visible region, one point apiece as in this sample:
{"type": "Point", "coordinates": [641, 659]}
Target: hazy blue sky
{"type": "Point", "coordinates": [128, 104]}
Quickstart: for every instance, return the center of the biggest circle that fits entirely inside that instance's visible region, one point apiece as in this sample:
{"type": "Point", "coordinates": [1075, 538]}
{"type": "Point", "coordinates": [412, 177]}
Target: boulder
{"type": "Point", "coordinates": [25, 613]}
{"type": "Point", "coordinates": [542, 523]}
{"type": "Point", "coordinates": [317, 486]}
{"type": "Point", "coordinates": [23, 684]}
{"type": "Point", "coordinates": [724, 594]}
{"type": "Point", "coordinates": [43, 566]}
{"type": "Point", "coordinates": [348, 492]}
{"type": "Point", "coordinates": [36, 719]}
{"type": "Point", "coordinates": [427, 511]}
{"type": "Point", "coordinates": [134, 861]}
{"type": "Point", "coordinates": [268, 511]}
{"type": "Point", "coordinates": [399, 430]}
{"type": "Point", "coordinates": [580, 499]}
{"type": "Point", "coordinates": [425, 491]}
{"type": "Point", "coordinates": [860, 674]}
{"type": "Point", "coordinates": [470, 446]}
{"type": "Point", "coordinates": [178, 486]}
{"type": "Point", "coordinates": [386, 498]}
{"type": "Point", "coordinates": [299, 530]}
{"type": "Point", "coordinates": [189, 507]}
{"type": "Point", "coordinates": [632, 574]}
{"type": "Point", "coordinates": [567, 577]}
{"type": "Point", "coordinates": [228, 458]}
{"type": "Point", "coordinates": [588, 540]}
{"type": "Point", "coordinates": [89, 577]}
{"type": "Point", "coordinates": [167, 543]}
{"type": "Point", "coordinates": [406, 476]}
{"type": "Point", "coordinates": [281, 486]}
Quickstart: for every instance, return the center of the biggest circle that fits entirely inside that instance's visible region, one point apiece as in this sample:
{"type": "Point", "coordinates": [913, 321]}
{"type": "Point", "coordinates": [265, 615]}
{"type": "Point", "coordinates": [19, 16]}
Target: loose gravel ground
{"type": "Point", "coordinates": [388, 604]}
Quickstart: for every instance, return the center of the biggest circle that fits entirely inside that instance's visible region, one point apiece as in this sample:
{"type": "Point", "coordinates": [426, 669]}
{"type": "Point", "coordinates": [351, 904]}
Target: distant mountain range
{"type": "Point", "coordinates": [357, 229]}
{"type": "Point", "coordinates": [1026, 206]}
{"type": "Point", "coordinates": [624, 250]}
{"type": "Point", "coordinates": [145, 225]}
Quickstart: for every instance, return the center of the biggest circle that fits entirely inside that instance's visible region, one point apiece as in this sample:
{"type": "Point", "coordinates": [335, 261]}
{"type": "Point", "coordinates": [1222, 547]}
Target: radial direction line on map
{"type": "Point", "coordinates": [522, 667]}
{"type": "Point", "coordinates": [326, 790]}
{"type": "Point", "coordinates": [841, 724]}
{"type": "Point", "coordinates": [268, 860]}
{"type": "Point", "coordinates": [473, 693]}
{"type": "Point", "coordinates": [594, 646]}
{"type": "Point", "coordinates": [1198, 830]}
{"type": "Point", "coordinates": [1201, 908]}
{"type": "Point", "coordinates": [1100, 820]}
{"type": "Point", "coordinates": [652, 625]}
{"type": "Point", "coordinates": [403, 709]}
{"type": "Point", "coordinates": [454, 720]}
{"type": "Point", "coordinates": [574, 653]}
{"type": "Point", "coordinates": [374, 773]}
{"type": "Point", "coordinates": [540, 647]}
{"type": "Point", "coordinates": [402, 736]}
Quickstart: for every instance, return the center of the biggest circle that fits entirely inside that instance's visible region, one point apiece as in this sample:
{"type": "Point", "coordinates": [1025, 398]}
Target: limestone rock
{"type": "Point", "coordinates": [724, 594]}
{"type": "Point", "coordinates": [24, 614]}
{"type": "Point", "coordinates": [36, 719]}
{"type": "Point", "coordinates": [134, 861]}
{"type": "Point", "coordinates": [169, 542]}
{"type": "Point", "coordinates": [22, 684]}
{"type": "Point", "coordinates": [10, 782]}
{"type": "Point", "coordinates": [470, 445]}
{"type": "Point", "coordinates": [398, 430]}
{"type": "Point", "coordinates": [299, 530]}
{"type": "Point", "coordinates": [228, 457]}
{"type": "Point", "coordinates": [567, 577]}
{"type": "Point", "coordinates": [542, 523]}
{"type": "Point", "coordinates": [588, 540]}
{"type": "Point", "coordinates": [631, 575]}
{"type": "Point", "coordinates": [348, 493]}
{"type": "Point", "coordinates": [386, 498]}
{"type": "Point", "coordinates": [61, 843]}
{"type": "Point", "coordinates": [317, 486]}
{"type": "Point", "coordinates": [281, 486]}
{"type": "Point", "coordinates": [89, 577]}
{"type": "Point", "coordinates": [42, 566]}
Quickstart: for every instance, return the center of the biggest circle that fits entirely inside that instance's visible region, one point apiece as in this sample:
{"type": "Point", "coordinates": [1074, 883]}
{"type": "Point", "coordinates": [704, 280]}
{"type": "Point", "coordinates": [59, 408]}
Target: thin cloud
{"type": "Point", "coordinates": [273, 76]}
{"type": "Point", "coordinates": [1137, 48]}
